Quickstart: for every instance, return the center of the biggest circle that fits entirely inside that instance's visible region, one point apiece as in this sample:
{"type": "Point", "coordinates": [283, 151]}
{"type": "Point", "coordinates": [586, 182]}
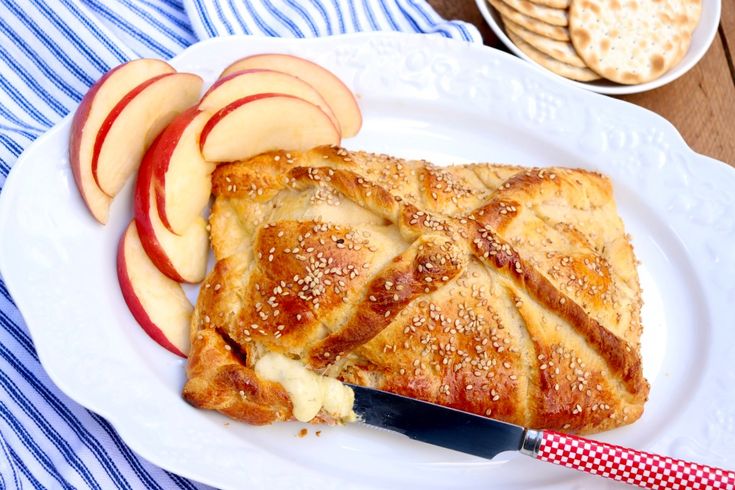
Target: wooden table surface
{"type": "Point", "coordinates": [701, 104]}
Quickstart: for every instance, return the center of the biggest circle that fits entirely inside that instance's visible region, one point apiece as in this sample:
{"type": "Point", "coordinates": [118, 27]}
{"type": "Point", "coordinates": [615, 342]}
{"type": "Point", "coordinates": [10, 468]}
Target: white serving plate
{"type": "Point", "coordinates": [422, 97]}
{"type": "Point", "coordinates": [702, 37]}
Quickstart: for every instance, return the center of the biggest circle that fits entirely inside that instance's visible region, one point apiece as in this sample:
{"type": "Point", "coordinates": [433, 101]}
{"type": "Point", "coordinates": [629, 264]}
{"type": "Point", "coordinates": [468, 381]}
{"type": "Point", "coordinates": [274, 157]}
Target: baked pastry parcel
{"type": "Point", "coordinates": [500, 290]}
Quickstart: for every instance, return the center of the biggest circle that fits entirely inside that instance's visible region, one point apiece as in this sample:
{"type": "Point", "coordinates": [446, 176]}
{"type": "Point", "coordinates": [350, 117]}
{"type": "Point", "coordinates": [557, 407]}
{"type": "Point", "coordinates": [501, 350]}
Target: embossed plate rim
{"type": "Point", "coordinates": [640, 147]}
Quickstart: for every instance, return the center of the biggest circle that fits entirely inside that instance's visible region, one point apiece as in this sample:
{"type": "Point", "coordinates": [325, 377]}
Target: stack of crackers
{"type": "Point", "coordinates": [624, 41]}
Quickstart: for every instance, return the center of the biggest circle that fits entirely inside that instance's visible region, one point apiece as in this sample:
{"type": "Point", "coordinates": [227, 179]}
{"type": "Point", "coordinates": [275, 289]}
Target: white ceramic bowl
{"type": "Point", "coordinates": [701, 40]}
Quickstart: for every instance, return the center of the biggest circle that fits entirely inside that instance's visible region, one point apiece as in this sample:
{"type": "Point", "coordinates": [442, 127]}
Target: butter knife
{"type": "Point", "coordinates": [486, 437]}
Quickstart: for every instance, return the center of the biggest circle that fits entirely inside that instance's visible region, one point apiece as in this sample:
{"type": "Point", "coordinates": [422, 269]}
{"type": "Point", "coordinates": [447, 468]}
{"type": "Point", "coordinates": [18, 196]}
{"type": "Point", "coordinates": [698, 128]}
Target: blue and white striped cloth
{"type": "Point", "coordinates": [51, 51]}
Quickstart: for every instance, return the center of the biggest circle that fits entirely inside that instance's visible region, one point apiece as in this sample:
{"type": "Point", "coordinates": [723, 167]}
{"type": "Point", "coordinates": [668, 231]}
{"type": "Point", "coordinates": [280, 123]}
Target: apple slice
{"type": "Point", "coordinates": [265, 122]}
{"type": "Point", "coordinates": [135, 121]}
{"type": "Point", "coordinates": [97, 103]}
{"type": "Point", "coordinates": [244, 83]}
{"type": "Point", "coordinates": [157, 303]}
{"type": "Point", "coordinates": [334, 91]}
{"type": "Point", "coordinates": [182, 258]}
{"type": "Point", "coordinates": [181, 178]}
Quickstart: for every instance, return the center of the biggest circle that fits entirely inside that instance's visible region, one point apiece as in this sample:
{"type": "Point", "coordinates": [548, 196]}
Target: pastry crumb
{"type": "Point", "coordinates": [303, 432]}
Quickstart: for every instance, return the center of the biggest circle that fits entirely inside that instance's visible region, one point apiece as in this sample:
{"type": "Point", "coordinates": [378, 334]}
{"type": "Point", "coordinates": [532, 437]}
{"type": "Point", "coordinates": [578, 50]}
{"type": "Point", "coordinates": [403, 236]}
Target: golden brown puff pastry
{"type": "Point", "coordinates": [500, 290]}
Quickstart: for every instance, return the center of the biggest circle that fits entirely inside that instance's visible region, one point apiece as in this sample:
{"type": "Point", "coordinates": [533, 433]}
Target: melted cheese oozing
{"type": "Point", "coordinates": [308, 391]}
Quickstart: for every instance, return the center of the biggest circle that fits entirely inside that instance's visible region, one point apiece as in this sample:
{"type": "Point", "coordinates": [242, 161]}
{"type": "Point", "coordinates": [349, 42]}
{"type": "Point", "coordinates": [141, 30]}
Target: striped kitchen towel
{"type": "Point", "coordinates": [51, 51]}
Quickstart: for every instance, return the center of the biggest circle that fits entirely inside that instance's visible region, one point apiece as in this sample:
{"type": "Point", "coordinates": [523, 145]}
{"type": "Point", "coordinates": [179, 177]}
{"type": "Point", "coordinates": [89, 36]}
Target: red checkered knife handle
{"type": "Point", "coordinates": [639, 468]}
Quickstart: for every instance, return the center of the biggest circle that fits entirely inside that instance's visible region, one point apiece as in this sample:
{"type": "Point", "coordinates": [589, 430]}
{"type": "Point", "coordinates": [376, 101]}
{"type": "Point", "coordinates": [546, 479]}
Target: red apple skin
{"type": "Point", "coordinates": [136, 308]}
{"type": "Point", "coordinates": [94, 198]}
{"type": "Point", "coordinates": [322, 103]}
{"type": "Point", "coordinates": [161, 150]}
{"type": "Point", "coordinates": [212, 122]}
{"type": "Point", "coordinates": [77, 125]}
{"type": "Point", "coordinates": [105, 128]}
{"type": "Point", "coordinates": [229, 76]}
{"type": "Point", "coordinates": [141, 213]}
{"type": "Point", "coordinates": [346, 132]}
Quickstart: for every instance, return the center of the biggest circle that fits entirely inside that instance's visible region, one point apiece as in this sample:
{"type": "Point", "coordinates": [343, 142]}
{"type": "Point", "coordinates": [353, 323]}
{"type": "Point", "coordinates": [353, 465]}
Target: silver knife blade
{"type": "Point", "coordinates": [437, 425]}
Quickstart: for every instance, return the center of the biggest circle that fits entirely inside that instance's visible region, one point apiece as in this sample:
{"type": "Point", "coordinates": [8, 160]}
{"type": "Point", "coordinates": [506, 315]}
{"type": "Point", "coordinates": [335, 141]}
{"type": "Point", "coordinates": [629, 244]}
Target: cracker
{"type": "Point", "coordinates": [555, 66]}
{"type": "Point", "coordinates": [632, 41]}
{"type": "Point", "coordinates": [555, 17]}
{"type": "Point", "coordinates": [559, 50]}
{"type": "Point", "coordinates": [692, 11]}
{"type": "Point", "coordinates": [557, 4]}
{"type": "Point", "coordinates": [683, 49]}
{"type": "Point", "coordinates": [533, 25]}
